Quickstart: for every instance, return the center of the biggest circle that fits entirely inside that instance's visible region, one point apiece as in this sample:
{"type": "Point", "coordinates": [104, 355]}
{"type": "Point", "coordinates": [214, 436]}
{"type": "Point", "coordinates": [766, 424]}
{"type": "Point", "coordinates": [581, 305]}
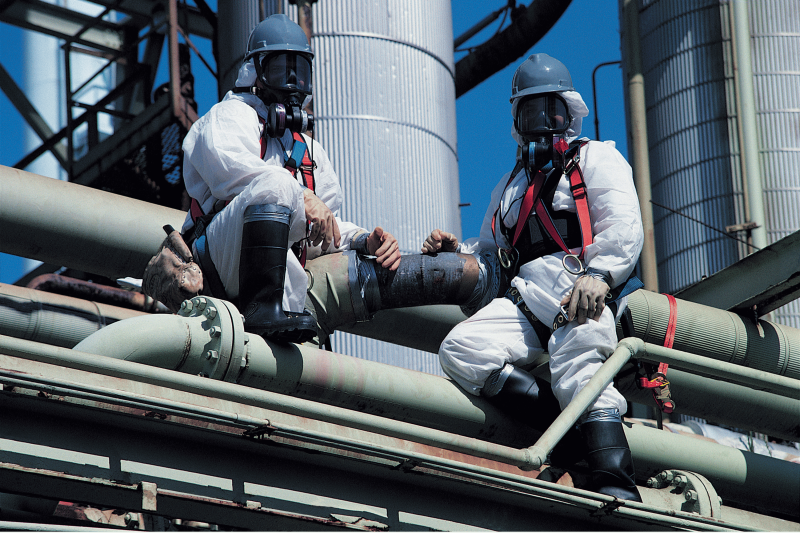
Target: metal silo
{"type": "Point", "coordinates": [384, 107]}
{"type": "Point", "coordinates": [775, 41]}
{"type": "Point", "coordinates": [696, 129]}
{"type": "Point", "coordinates": [690, 139]}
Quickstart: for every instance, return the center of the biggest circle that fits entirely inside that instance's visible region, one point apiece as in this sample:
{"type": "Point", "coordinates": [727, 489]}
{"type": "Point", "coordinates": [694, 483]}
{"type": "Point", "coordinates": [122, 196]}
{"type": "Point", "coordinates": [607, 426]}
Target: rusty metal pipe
{"type": "Point", "coordinates": [95, 292]}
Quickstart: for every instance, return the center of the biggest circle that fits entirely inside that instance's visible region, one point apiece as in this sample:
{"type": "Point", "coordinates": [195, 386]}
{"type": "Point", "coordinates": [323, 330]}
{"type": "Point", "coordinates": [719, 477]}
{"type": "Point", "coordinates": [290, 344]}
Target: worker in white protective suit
{"type": "Point", "coordinates": [557, 295]}
{"type": "Point", "coordinates": [261, 187]}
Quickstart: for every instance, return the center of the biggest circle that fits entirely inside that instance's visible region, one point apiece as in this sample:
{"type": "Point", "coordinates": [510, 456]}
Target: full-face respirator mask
{"type": "Point", "coordinates": [539, 119]}
{"type": "Point", "coordinates": [286, 90]}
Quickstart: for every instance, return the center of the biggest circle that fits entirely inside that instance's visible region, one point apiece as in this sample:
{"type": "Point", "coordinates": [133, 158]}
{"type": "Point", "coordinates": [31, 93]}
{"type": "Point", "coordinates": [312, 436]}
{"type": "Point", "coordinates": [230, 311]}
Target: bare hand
{"type": "Point", "coordinates": [324, 228]}
{"type": "Point", "coordinates": [587, 299]}
{"type": "Point", "coordinates": [439, 241]}
{"type": "Point", "coordinates": [384, 247]}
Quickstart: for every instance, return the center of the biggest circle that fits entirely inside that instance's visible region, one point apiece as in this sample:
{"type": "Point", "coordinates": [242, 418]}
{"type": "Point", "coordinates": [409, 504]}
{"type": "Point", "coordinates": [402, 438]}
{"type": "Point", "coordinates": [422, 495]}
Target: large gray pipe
{"type": "Point", "coordinates": [66, 224]}
{"type": "Point", "coordinates": [208, 338]}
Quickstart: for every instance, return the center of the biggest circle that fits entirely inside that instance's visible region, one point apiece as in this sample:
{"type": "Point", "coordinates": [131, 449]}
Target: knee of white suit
{"type": "Point", "coordinates": [495, 335]}
{"type": "Point", "coordinates": [577, 351]}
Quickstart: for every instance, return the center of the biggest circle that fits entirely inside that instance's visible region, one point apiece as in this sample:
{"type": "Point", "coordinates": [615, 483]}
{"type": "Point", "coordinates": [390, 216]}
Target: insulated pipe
{"type": "Point", "coordinates": [717, 334]}
{"type": "Point", "coordinates": [53, 318]}
{"type": "Point", "coordinates": [773, 486]}
{"type": "Point", "coordinates": [345, 289]}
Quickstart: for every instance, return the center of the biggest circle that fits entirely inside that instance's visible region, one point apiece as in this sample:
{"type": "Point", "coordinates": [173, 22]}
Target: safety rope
{"type": "Point", "coordinates": [656, 380]}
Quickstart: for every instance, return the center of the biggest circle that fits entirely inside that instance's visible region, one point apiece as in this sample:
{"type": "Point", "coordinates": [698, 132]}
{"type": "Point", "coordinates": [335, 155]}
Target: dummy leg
{"type": "Point", "coordinates": [344, 289]}
{"type": "Point", "coordinates": [262, 272]}
{"type": "Point", "coordinates": [609, 455]}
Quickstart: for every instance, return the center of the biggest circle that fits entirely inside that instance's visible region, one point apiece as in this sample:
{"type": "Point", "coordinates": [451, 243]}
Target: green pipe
{"type": "Point", "coordinates": [184, 341]}
{"type": "Point", "coordinates": [266, 399]}
{"type": "Point", "coordinates": [586, 397]}
{"type": "Point", "coordinates": [754, 379]}
{"type": "Point", "coordinates": [747, 104]}
{"type": "Point", "coordinates": [653, 450]}
{"type": "Point", "coordinates": [717, 334]}
{"type": "Point", "coordinates": [54, 318]}
{"type": "Point", "coordinates": [87, 229]}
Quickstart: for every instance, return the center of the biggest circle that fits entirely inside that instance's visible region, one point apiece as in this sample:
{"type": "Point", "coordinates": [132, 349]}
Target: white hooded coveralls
{"type": "Point", "coordinates": [499, 333]}
{"type": "Point", "coordinates": [222, 161]}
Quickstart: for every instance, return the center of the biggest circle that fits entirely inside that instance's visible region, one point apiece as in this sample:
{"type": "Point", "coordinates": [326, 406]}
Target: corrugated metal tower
{"type": "Point", "coordinates": [384, 104]}
{"type": "Point", "coordinates": [695, 113]}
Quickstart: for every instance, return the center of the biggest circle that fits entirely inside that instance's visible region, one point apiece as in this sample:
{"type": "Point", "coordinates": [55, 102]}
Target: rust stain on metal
{"type": "Point", "coordinates": [255, 507]}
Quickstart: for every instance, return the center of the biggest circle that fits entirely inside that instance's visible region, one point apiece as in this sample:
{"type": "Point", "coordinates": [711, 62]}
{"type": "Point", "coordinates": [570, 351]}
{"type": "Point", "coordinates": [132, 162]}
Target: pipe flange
{"type": "Point", "coordinates": [238, 357]}
{"type": "Point", "coordinates": [697, 493]}
{"type": "Point", "coordinates": [217, 323]}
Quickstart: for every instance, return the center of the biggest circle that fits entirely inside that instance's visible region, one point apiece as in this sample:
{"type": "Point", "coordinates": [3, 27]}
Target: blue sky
{"type": "Point", "coordinates": [587, 35]}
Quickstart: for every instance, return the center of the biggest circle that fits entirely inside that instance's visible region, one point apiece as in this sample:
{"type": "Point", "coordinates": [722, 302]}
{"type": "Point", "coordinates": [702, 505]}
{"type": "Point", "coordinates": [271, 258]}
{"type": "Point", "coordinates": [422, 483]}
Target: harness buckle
{"type": "Point", "coordinates": [580, 269]}
{"type": "Point", "coordinates": [507, 257]}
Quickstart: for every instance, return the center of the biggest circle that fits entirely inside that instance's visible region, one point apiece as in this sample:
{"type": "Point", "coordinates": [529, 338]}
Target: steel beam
{"type": "Point", "coordinates": [755, 285]}
{"type": "Point", "coordinates": [127, 138]}
{"type": "Point", "coordinates": [142, 11]}
{"type": "Point", "coordinates": [30, 114]}
{"type": "Point", "coordinates": [63, 23]}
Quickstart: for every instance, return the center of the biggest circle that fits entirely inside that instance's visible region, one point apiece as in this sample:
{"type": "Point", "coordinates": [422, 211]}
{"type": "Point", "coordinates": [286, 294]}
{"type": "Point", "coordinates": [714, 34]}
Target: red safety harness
{"type": "Point", "coordinates": [299, 159]}
{"type": "Point", "coordinates": [532, 203]}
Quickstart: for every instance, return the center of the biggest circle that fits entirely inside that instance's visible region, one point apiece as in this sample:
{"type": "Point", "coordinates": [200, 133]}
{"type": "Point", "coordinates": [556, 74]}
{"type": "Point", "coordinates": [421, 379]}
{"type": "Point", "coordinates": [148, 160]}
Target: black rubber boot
{"type": "Point", "coordinates": [532, 402]}
{"type": "Point", "coordinates": [262, 270]}
{"type": "Point", "coordinates": [610, 459]}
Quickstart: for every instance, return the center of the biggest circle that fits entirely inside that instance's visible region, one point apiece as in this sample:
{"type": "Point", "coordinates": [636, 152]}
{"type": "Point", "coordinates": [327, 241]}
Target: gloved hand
{"type": "Point", "coordinates": [587, 299]}
{"type": "Point", "coordinates": [324, 228]}
{"type": "Point", "coordinates": [384, 247]}
{"type": "Point", "coordinates": [439, 241]}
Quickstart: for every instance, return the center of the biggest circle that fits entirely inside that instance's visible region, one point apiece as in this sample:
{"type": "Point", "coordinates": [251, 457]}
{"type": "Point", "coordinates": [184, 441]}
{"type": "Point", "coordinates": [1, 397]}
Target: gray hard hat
{"type": "Point", "coordinates": [538, 74]}
{"type": "Point", "coordinates": [277, 33]}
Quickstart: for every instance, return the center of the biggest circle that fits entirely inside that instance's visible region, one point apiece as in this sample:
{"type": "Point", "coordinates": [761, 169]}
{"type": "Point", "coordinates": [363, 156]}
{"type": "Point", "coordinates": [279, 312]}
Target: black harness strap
{"type": "Point", "coordinates": [542, 331]}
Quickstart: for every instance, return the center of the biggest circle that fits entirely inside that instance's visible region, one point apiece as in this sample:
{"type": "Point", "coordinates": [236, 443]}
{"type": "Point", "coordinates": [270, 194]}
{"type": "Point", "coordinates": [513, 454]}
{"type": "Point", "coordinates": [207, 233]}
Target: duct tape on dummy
{"type": "Point", "coordinates": [172, 276]}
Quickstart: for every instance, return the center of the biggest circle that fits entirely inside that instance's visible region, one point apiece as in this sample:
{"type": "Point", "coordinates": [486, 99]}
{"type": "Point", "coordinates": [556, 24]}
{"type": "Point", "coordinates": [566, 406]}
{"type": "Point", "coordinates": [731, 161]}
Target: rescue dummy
{"type": "Point", "coordinates": [265, 197]}
{"type": "Point", "coordinates": [565, 228]}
